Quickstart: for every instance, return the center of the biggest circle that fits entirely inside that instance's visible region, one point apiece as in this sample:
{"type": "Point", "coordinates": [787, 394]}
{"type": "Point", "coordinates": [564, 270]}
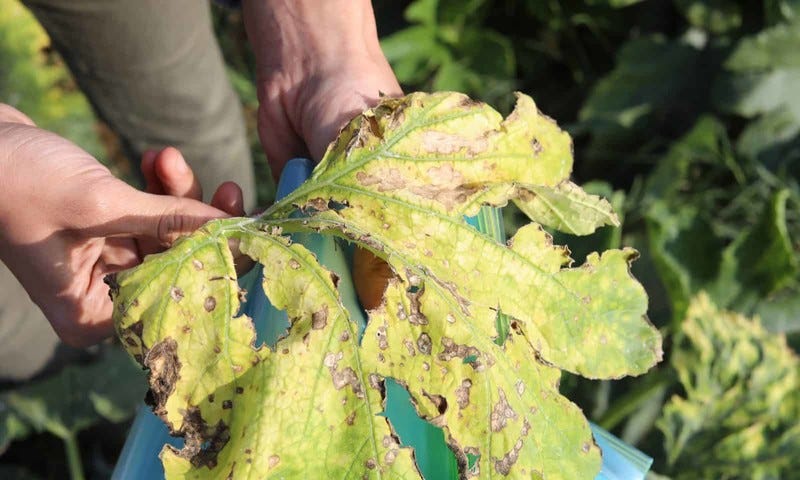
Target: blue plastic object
{"type": "Point", "coordinates": [140, 456]}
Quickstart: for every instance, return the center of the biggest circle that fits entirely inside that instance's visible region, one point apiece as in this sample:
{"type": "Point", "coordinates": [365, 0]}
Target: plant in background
{"type": "Point", "coordinates": [76, 398]}
{"type": "Point", "coordinates": [686, 111]}
{"type": "Point", "coordinates": [397, 181]}
{"type": "Point", "coordinates": [737, 414]}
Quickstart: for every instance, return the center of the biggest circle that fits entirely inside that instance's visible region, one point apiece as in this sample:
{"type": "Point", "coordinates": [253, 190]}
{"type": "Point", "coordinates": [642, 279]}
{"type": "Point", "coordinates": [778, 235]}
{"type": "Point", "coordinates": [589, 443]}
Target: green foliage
{"type": "Point", "coordinates": [73, 399]}
{"type": "Point", "coordinates": [444, 50]}
{"type": "Point", "coordinates": [34, 81]}
{"type": "Point", "coordinates": [684, 110]}
{"type": "Point", "coordinates": [738, 415]}
{"type": "Point", "coordinates": [399, 180]}
{"type": "Point", "coordinates": [688, 111]}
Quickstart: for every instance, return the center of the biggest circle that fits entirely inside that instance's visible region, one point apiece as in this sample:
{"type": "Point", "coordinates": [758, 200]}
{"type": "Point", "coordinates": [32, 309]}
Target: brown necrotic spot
{"type": "Point", "coordinates": [239, 390]}
{"type": "Point", "coordinates": [380, 333]}
{"type": "Point", "coordinates": [376, 382]}
{"type": "Point", "coordinates": [370, 463]}
{"type": "Point", "coordinates": [424, 343]}
{"type": "Point", "coordinates": [503, 465]}
{"type": "Point", "coordinates": [410, 347]}
{"type": "Point", "coordinates": [162, 361]}
{"type": "Point", "coordinates": [198, 265]}
{"type": "Point", "coordinates": [294, 264]}
{"type": "Point", "coordinates": [536, 146]}
{"type": "Point", "coordinates": [176, 293]}
{"type": "Point", "coordinates": [344, 377]}
{"type": "Point", "coordinates": [438, 401]}
{"type": "Point", "coordinates": [390, 456]}
{"type": "Point", "coordinates": [350, 419]}
{"type": "Point", "coordinates": [446, 143]}
{"type": "Point", "coordinates": [210, 303]}
{"type": "Point", "coordinates": [227, 404]}
{"type": "Point", "coordinates": [320, 318]}
{"type": "Point", "coordinates": [451, 349]}
{"type": "Point", "coordinates": [273, 461]}
{"type": "Point", "coordinates": [462, 393]}
{"type": "Point", "coordinates": [502, 412]}
{"type": "Point", "coordinates": [202, 441]}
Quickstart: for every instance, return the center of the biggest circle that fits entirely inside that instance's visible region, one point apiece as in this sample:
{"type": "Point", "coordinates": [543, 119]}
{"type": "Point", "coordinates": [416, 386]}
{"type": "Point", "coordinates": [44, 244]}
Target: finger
{"type": "Point", "coordinates": [12, 115]}
{"type": "Point", "coordinates": [148, 168]}
{"type": "Point", "coordinates": [119, 254]}
{"type": "Point", "coordinates": [175, 175]}
{"type": "Point", "coordinates": [121, 210]}
{"type": "Point", "coordinates": [229, 199]}
{"type": "Point", "coordinates": [280, 143]}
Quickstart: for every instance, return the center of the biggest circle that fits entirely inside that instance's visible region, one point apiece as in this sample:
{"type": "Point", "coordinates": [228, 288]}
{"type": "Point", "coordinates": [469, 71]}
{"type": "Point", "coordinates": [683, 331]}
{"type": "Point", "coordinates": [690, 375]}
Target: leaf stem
{"type": "Point", "coordinates": [73, 457]}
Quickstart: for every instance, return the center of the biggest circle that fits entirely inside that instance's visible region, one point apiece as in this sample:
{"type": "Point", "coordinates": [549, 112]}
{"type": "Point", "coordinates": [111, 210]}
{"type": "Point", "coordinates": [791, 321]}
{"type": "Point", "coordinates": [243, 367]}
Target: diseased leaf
{"type": "Point", "coordinates": [567, 208]}
{"type": "Point", "coordinates": [398, 181]}
{"type": "Point", "coordinates": [738, 417]}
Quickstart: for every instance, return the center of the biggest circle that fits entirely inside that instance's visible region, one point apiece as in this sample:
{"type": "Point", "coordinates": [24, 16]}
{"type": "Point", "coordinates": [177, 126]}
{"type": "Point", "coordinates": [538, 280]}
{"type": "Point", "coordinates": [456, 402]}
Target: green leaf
{"type": "Point", "coordinates": [685, 251]}
{"type": "Point", "coordinates": [398, 181]}
{"type": "Point", "coordinates": [685, 166]}
{"type": "Point", "coordinates": [414, 52]}
{"type": "Point", "coordinates": [761, 260]}
{"type": "Point", "coordinates": [762, 77]}
{"type": "Point", "coordinates": [715, 16]}
{"type": "Point", "coordinates": [738, 416]}
{"type": "Point", "coordinates": [643, 95]}
{"type": "Point", "coordinates": [640, 82]}
{"type": "Point", "coordinates": [780, 313]}
{"type": "Point", "coordinates": [74, 399]}
{"type": "Point", "coordinates": [12, 427]}
{"type": "Point", "coordinates": [777, 11]}
{"type": "Point", "coordinates": [773, 139]}
{"type": "Point", "coordinates": [422, 11]}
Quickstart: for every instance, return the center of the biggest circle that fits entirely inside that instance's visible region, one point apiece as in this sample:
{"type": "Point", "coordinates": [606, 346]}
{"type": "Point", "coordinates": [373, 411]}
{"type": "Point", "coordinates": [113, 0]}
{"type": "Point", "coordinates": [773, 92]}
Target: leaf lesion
{"type": "Point", "coordinates": [492, 386]}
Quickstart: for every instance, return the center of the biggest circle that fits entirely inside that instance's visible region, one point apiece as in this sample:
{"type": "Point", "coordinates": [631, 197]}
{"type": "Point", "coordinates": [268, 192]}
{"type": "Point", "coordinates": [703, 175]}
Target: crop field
{"type": "Point", "coordinates": [684, 115]}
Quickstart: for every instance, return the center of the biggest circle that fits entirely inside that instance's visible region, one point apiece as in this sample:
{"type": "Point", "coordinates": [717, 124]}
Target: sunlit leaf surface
{"type": "Point", "coordinates": [398, 181]}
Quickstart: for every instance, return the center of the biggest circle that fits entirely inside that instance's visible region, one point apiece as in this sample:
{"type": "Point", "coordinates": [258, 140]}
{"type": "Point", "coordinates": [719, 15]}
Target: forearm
{"type": "Point", "coordinates": [319, 63]}
{"type": "Point", "coordinates": [288, 34]}
{"type": "Point", "coordinates": [13, 128]}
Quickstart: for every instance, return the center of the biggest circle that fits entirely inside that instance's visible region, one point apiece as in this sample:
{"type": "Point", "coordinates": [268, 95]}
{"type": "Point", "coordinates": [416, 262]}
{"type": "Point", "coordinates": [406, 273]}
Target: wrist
{"type": "Point", "coordinates": [293, 37]}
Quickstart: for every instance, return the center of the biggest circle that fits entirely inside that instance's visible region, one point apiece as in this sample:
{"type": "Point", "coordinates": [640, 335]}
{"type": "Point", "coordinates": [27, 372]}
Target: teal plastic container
{"type": "Point", "coordinates": [139, 458]}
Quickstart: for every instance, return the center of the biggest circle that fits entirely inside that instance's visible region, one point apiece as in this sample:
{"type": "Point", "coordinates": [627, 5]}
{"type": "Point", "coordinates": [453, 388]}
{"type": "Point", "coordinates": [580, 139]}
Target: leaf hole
{"type": "Point", "coordinates": [433, 456]}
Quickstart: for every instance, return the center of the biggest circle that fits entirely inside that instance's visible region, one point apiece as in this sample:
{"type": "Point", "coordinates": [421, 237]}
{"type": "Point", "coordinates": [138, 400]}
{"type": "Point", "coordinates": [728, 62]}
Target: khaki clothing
{"type": "Point", "coordinates": [154, 73]}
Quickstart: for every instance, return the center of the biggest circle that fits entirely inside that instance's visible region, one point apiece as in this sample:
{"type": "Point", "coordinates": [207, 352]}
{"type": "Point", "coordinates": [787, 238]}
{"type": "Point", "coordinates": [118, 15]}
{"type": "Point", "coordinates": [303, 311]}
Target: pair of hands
{"type": "Point", "coordinates": [66, 221]}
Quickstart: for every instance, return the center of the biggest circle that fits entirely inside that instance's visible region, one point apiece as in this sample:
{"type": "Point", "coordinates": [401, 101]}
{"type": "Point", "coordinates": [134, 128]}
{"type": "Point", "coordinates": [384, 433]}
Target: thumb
{"type": "Point", "coordinates": [133, 213]}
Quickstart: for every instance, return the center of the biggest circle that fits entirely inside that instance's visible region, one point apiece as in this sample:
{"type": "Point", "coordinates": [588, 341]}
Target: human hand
{"type": "Point", "coordinates": [319, 64]}
{"type": "Point", "coordinates": [66, 222]}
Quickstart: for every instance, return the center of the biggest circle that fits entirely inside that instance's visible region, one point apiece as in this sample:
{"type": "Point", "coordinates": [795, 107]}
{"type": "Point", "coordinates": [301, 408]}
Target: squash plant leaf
{"type": "Point", "coordinates": [398, 181]}
{"type": "Point", "coordinates": [569, 209]}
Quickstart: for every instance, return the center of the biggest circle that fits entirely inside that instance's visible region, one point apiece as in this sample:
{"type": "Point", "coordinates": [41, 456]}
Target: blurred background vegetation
{"type": "Point", "coordinates": [684, 113]}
